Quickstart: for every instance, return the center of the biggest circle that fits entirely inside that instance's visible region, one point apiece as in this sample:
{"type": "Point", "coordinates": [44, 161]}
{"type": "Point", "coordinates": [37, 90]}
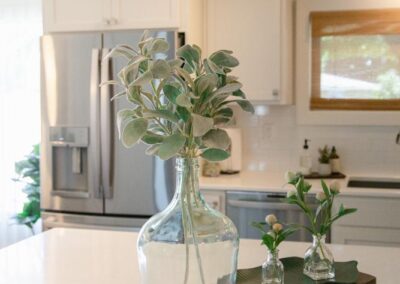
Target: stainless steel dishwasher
{"type": "Point", "coordinates": [246, 207]}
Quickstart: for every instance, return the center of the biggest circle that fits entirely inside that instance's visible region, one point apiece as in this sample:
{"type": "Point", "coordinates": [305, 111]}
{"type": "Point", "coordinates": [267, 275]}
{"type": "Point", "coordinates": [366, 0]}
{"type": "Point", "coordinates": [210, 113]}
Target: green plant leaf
{"type": "Point", "coordinates": [152, 138]}
{"type": "Point", "coordinates": [229, 88]}
{"type": "Point", "coordinates": [206, 83]}
{"type": "Point", "coordinates": [201, 124]}
{"type": "Point", "coordinates": [244, 105]}
{"type": "Point", "coordinates": [239, 93]}
{"type": "Point", "coordinates": [160, 69]}
{"type": "Point", "coordinates": [175, 63]}
{"type": "Point", "coordinates": [190, 55]}
{"type": "Point", "coordinates": [123, 116]}
{"type": "Point", "coordinates": [183, 113]}
{"type": "Point", "coordinates": [158, 45]}
{"type": "Point", "coordinates": [134, 131]}
{"type": "Point", "coordinates": [162, 113]}
{"type": "Point", "coordinates": [171, 146]}
{"type": "Point", "coordinates": [171, 91]}
{"type": "Point", "coordinates": [217, 138]}
{"type": "Point", "coordinates": [215, 155]}
{"type": "Point", "coordinates": [143, 79]}
{"type": "Point", "coordinates": [152, 150]}
{"type": "Point", "coordinates": [268, 241]}
{"type": "Point", "coordinates": [223, 58]}
{"type": "Point", "coordinates": [183, 101]}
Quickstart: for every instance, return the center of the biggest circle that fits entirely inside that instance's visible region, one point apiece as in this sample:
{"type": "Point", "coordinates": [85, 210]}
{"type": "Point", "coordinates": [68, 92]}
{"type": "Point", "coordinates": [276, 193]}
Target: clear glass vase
{"type": "Point", "coordinates": [318, 260]}
{"type": "Point", "coordinates": [188, 242]}
{"type": "Point", "coordinates": [272, 269]}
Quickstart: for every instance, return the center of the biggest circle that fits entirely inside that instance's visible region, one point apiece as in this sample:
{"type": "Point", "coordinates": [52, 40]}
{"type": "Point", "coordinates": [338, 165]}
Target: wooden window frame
{"type": "Point", "coordinates": [359, 22]}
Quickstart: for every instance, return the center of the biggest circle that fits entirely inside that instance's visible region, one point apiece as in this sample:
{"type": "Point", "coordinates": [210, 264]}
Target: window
{"type": "Point", "coordinates": [20, 29]}
{"type": "Point", "coordinates": [356, 60]}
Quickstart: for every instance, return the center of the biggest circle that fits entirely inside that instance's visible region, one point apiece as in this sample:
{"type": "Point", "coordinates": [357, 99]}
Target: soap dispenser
{"type": "Point", "coordinates": [305, 159]}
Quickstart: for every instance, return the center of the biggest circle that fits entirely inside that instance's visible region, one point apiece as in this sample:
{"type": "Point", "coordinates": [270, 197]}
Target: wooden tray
{"type": "Point", "coordinates": [331, 176]}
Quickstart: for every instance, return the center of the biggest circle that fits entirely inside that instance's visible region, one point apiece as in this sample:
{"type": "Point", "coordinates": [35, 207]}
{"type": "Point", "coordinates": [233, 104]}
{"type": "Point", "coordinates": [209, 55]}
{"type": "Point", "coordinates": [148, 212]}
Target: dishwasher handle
{"type": "Point", "coordinates": [265, 205]}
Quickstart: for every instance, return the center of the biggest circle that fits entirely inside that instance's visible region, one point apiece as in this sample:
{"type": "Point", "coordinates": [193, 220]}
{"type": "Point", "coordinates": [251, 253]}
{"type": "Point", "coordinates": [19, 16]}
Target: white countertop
{"type": "Point", "coordinates": [275, 182]}
{"type": "Point", "coordinates": [76, 256]}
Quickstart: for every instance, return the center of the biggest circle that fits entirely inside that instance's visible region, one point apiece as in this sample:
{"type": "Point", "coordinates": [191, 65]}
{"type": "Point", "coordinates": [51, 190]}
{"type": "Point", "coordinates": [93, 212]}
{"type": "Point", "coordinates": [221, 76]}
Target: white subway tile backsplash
{"type": "Point", "coordinates": [272, 141]}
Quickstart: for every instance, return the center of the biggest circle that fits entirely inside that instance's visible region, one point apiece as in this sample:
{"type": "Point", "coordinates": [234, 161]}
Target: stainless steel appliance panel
{"type": "Point", "coordinates": [70, 79]}
{"type": "Point", "coordinates": [139, 185]}
{"type": "Point", "coordinates": [243, 208]}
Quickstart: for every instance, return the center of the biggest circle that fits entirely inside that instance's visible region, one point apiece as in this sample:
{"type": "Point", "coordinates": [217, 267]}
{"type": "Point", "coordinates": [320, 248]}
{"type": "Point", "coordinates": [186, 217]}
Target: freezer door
{"type": "Point", "coordinates": [70, 112]}
{"type": "Point", "coordinates": [139, 185]}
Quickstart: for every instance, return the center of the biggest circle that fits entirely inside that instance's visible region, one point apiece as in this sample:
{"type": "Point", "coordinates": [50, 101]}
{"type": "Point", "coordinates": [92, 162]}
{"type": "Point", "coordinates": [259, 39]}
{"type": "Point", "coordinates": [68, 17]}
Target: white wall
{"type": "Point", "coordinates": [273, 141]}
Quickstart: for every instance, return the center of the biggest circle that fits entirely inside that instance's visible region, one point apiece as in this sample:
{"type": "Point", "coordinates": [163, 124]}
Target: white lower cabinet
{"type": "Point", "coordinates": [376, 222]}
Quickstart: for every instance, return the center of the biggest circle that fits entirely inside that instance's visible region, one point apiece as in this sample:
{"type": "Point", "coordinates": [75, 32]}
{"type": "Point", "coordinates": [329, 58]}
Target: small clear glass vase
{"type": "Point", "coordinates": [318, 260]}
{"type": "Point", "coordinates": [272, 269]}
{"type": "Point", "coordinates": [188, 242]}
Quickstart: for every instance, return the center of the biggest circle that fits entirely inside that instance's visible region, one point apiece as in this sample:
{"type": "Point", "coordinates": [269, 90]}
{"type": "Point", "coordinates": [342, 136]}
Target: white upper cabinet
{"type": "Point", "coordinates": [92, 15]}
{"type": "Point", "coordinates": [259, 32]}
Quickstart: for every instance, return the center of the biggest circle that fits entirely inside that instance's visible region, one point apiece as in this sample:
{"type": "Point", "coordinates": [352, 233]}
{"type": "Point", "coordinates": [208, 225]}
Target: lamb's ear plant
{"type": "Point", "coordinates": [178, 105]}
{"type": "Point", "coordinates": [322, 218]}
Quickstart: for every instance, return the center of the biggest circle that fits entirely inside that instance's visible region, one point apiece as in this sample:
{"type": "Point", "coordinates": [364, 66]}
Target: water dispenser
{"type": "Point", "coordinates": [70, 161]}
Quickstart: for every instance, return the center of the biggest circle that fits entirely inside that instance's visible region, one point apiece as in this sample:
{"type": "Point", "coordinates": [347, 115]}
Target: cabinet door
{"type": "Point", "coordinates": [251, 29]}
{"type": "Point", "coordinates": [76, 15]}
{"type": "Point", "coordinates": [149, 14]}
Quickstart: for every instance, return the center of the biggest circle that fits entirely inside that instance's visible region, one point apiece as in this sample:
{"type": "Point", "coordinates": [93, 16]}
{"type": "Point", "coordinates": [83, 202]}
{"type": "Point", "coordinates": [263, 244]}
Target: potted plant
{"type": "Point", "coordinates": [178, 107]}
{"type": "Point", "coordinates": [318, 259]}
{"type": "Point", "coordinates": [273, 234]}
{"type": "Point", "coordinates": [28, 171]}
{"type": "Point", "coordinates": [334, 160]}
{"type": "Point", "coordinates": [324, 168]}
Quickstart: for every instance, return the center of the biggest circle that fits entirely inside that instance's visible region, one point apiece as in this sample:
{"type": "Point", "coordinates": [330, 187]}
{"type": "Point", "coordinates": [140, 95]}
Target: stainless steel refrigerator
{"type": "Point", "coordinates": [88, 178]}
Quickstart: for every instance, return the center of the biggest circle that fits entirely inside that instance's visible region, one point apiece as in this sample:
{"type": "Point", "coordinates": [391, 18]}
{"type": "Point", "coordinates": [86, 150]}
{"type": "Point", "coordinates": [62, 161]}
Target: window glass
{"type": "Point", "coordinates": [360, 67]}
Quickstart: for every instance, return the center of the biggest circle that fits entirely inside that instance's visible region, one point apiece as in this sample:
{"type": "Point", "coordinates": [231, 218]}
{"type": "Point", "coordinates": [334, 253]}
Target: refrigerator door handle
{"type": "Point", "coordinates": [106, 133]}
{"type": "Point", "coordinates": [94, 123]}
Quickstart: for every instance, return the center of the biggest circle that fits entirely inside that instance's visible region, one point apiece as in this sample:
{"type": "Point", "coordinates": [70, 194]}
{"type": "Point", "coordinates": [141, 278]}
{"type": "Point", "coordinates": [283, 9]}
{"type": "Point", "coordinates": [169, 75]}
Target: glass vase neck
{"type": "Point", "coordinates": [319, 239]}
{"type": "Point", "coordinates": [187, 181]}
{"type": "Point", "coordinates": [273, 254]}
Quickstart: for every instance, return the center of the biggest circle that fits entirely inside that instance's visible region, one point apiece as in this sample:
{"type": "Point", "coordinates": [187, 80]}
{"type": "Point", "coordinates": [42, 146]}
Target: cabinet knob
{"type": "Point", "coordinates": [107, 21]}
{"type": "Point", "coordinates": [275, 93]}
{"type": "Point", "coordinates": [114, 21]}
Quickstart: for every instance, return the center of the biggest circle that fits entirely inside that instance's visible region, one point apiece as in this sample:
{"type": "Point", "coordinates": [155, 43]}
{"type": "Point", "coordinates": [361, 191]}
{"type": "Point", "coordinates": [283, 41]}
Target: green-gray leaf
{"type": "Point", "coordinates": [190, 55]}
{"type": "Point", "coordinates": [134, 131]}
{"type": "Point", "coordinates": [158, 45]}
{"type": "Point", "coordinates": [160, 69]}
{"type": "Point", "coordinates": [215, 155]}
{"type": "Point", "coordinates": [183, 101]}
{"type": "Point", "coordinates": [201, 124]}
{"type": "Point", "coordinates": [229, 88]}
{"type": "Point", "coordinates": [206, 83]}
{"type": "Point", "coordinates": [122, 117]}
{"type": "Point", "coordinates": [143, 79]}
{"type": "Point", "coordinates": [217, 138]}
{"type": "Point", "coordinates": [171, 146]}
{"type": "Point", "coordinates": [162, 113]}
{"type": "Point", "coordinates": [152, 138]}
{"type": "Point", "coordinates": [224, 59]}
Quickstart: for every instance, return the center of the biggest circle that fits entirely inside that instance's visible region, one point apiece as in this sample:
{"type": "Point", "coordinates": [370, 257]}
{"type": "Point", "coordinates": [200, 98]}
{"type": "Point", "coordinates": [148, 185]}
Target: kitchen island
{"type": "Point", "coordinates": [76, 256]}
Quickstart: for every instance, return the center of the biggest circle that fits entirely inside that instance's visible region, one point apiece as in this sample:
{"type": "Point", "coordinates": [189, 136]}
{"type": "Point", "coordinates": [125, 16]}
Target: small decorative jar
{"type": "Point", "coordinates": [272, 269]}
{"type": "Point", "coordinates": [324, 169]}
{"type": "Point", "coordinates": [335, 165]}
{"type": "Point", "coordinates": [318, 260]}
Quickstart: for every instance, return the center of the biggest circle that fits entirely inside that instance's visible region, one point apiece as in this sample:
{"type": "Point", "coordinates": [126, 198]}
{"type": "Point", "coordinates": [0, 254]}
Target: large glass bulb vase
{"type": "Point", "coordinates": [188, 242]}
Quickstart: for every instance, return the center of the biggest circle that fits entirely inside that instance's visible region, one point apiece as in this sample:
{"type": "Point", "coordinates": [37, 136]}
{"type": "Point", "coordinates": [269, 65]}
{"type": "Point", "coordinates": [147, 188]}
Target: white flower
{"type": "Point", "coordinates": [289, 176]}
{"type": "Point", "coordinates": [320, 196]}
{"type": "Point", "coordinates": [291, 193]}
{"type": "Point", "coordinates": [277, 227]}
{"type": "Point", "coordinates": [271, 219]}
{"type": "Point", "coordinates": [335, 186]}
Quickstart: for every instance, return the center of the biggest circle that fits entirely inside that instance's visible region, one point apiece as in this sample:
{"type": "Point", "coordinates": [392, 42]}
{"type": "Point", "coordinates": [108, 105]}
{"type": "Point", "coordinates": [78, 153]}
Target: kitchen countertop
{"type": "Point", "coordinates": [76, 256]}
{"type": "Point", "coordinates": [275, 182]}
